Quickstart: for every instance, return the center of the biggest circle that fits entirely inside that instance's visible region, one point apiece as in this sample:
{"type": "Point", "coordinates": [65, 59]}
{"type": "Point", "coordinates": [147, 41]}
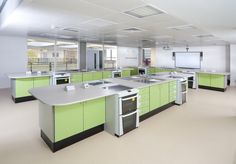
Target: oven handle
{"type": "Point", "coordinates": [127, 115]}
{"type": "Point", "coordinates": [129, 98]}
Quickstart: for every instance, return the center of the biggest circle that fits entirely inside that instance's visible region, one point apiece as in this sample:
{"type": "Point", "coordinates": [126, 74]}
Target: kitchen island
{"type": "Point", "coordinates": [213, 80]}
{"type": "Point", "coordinates": [66, 117]}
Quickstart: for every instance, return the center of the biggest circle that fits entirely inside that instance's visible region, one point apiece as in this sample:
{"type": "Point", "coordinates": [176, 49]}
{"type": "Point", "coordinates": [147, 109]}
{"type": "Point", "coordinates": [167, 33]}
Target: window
{"type": "Point", "coordinates": [147, 56]}
{"type": "Point", "coordinates": [51, 55]}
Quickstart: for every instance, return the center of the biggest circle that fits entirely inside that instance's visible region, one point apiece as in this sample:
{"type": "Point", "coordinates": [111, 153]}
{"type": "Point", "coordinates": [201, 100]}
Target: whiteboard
{"type": "Point", "coordinates": [188, 60]}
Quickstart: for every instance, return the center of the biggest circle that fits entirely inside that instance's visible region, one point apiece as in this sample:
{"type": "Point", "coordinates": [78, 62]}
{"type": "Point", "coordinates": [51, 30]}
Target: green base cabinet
{"type": "Point", "coordinates": [22, 86]}
{"type": "Point", "coordinates": [155, 97]}
{"type": "Point", "coordinates": [211, 80]}
{"type": "Point", "coordinates": [97, 76]}
{"type": "Point", "coordinates": [94, 113]}
{"type": "Point", "coordinates": [134, 71]}
{"type": "Point", "coordinates": [204, 79]}
{"type": "Point", "coordinates": [144, 107]}
{"type": "Point", "coordinates": [151, 70]}
{"type": "Point", "coordinates": [125, 73]}
{"type": "Point", "coordinates": [164, 89]}
{"type": "Point", "coordinates": [76, 77]}
{"type": "Point", "coordinates": [218, 81]}
{"type": "Point", "coordinates": [106, 74]}
{"type": "Point", "coordinates": [87, 76]}
{"type": "Point", "coordinates": [68, 121]}
{"type": "Point", "coordinates": [41, 82]}
{"type": "Point", "coordinates": [172, 91]}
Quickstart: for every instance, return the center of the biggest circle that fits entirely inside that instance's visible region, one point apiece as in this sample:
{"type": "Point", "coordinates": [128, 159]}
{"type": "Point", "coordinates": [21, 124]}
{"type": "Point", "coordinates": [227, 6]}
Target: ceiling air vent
{"type": "Point", "coordinates": [133, 29]}
{"type": "Point", "coordinates": [182, 27]}
{"type": "Point", "coordinates": [204, 36]}
{"type": "Point", "coordinates": [144, 11]}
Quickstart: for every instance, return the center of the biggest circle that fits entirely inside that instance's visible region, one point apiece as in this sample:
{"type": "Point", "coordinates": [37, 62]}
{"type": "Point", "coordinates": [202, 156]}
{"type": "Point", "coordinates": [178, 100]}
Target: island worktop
{"type": "Point", "coordinates": [57, 96]}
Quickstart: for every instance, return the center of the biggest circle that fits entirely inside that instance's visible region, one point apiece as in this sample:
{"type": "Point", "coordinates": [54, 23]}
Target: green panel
{"type": "Point", "coordinates": [68, 121]}
{"type": "Point", "coordinates": [134, 71]}
{"type": "Point", "coordinates": [204, 79]}
{"type": "Point", "coordinates": [87, 76]}
{"type": "Point", "coordinates": [22, 87]}
{"type": "Point", "coordinates": [152, 70]}
{"type": "Point", "coordinates": [155, 94]}
{"type": "Point", "coordinates": [97, 75]}
{"type": "Point", "coordinates": [76, 77]}
{"type": "Point", "coordinates": [125, 73]}
{"type": "Point", "coordinates": [144, 101]}
{"type": "Point", "coordinates": [172, 91]}
{"type": "Point", "coordinates": [218, 81]}
{"type": "Point", "coordinates": [41, 82]}
{"type": "Point", "coordinates": [164, 93]}
{"type": "Point", "coordinates": [107, 74]}
{"type": "Point", "coordinates": [94, 113]}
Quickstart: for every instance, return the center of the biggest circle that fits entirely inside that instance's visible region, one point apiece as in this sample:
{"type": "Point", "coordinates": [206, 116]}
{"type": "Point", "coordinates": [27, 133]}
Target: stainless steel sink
{"type": "Point", "coordinates": [98, 83]}
{"type": "Point", "coordinates": [116, 88]}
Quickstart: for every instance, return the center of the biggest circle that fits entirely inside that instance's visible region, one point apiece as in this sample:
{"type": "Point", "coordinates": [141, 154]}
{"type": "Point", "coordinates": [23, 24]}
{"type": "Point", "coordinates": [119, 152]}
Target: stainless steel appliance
{"type": "Point", "coordinates": [122, 112]}
{"type": "Point", "coordinates": [182, 89]}
{"type": "Point", "coordinates": [116, 74]}
{"type": "Point", "coordinates": [60, 78]}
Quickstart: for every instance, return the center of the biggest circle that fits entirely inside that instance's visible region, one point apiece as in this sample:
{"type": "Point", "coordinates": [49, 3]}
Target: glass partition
{"type": "Point", "coordinates": [52, 55]}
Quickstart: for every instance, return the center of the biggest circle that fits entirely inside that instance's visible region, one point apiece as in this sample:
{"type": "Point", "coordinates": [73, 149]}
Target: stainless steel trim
{"type": "Point", "coordinates": [127, 115]}
{"type": "Point", "coordinates": [129, 98]}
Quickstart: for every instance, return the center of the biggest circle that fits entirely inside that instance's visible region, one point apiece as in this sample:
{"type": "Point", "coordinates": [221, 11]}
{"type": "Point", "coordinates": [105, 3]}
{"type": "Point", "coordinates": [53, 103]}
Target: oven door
{"type": "Point", "coordinates": [116, 74]}
{"type": "Point", "coordinates": [128, 122]}
{"type": "Point", "coordinates": [184, 86]}
{"type": "Point", "coordinates": [128, 104]}
{"type": "Point", "coordinates": [62, 80]}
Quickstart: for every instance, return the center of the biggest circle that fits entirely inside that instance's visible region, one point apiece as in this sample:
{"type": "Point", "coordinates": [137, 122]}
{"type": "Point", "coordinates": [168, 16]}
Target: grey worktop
{"type": "Point", "coordinates": [215, 73]}
{"type": "Point", "coordinates": [24, 75]}
{"type": "Point", "coordinates": [57, 96]}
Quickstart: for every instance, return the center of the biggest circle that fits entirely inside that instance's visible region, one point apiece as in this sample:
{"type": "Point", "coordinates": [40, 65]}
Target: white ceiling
{"type": "Point", "coordinates": [104, 21]}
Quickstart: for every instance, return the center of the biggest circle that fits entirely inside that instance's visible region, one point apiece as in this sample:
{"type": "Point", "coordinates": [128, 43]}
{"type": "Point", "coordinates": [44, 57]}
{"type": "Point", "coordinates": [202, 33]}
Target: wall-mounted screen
{"type": "Point", "coordinates": [188, 59]}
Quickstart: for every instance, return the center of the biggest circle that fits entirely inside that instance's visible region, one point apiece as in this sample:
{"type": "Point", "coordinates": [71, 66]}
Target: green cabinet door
{"type": "Point", "coordinates": [172, 91]}
{"type": "Point", "coordinates": [87, 76]}
{"type": "Point", "coordinates": [106, 74]}
{"type": "Point", "coordinates": [125, 73]}
{"type": "Point", "coordinates": [94, 113]}
{"type": "Point", "coordinates": [155, 97]}
{"type": "Point", "coordinates": [164, 89]}
{"type": "Point", "coordinates": [152, 70]}
{"type": "Point", "coordinates": [134, 71]}
{"type": "Point", "coordinates": [204, 79]}
{"type": "Point", "coordinates": [76, 77]}
{"type": "Point", "coordinates": [97, 75]}
{"type": "Point", "coordinates": [218, 81]}
{"type": "Point", "coordinates": [22, 87]}
{"type": "Point", "coordinates": [41, 82]}
{"type": "Point", "coordinates": [144, 101]}
{"type": "Point", "coordinates": [68, 120]}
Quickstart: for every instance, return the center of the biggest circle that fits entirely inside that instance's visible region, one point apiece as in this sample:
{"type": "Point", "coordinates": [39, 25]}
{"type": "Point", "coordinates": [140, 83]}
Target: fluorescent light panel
{"type": "Point", "coordinates": [133, 29]}
{"type": "Point", "coordinates": [144, 11]}
{"type": "Point", "coordinates": [182, 27]}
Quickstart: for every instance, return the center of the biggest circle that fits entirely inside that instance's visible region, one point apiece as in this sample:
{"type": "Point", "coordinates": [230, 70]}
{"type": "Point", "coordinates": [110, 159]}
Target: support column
{"type": "Point", "coordinates": [83, 54]}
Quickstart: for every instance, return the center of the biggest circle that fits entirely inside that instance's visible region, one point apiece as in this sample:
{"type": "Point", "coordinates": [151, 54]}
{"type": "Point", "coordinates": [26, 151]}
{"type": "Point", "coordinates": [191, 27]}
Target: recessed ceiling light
{"type": "Point", "coordinates": [182, 27]}
{"type": "Point", "coordinates": [144, 11]}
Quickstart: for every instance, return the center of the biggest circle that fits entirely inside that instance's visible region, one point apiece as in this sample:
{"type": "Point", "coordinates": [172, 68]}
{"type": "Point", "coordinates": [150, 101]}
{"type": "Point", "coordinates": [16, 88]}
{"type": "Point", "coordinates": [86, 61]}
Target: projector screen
{"type": "Point", "coordinates": [188, 59]}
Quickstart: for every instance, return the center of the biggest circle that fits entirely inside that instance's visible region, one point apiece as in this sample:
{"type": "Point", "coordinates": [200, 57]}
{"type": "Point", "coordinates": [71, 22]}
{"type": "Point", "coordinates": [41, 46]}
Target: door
{"type": "Point", "coordinates": [68, 121]}
{"type": "Point", "coordinates": [155, 97]}
{"type": "Point", "coordinates": [204, 79]}
{"type": "Point", "coordinates": [94, 113]}
{"type": "Point", "coordinates": [23, 86]}
{"type": "Point", "coordinates": [218, 81]}
{"type": "Point", "coordinates": [129, 122]}
{"type": "Point", "coordinates": [164, 93]}
{"type": "Point", "coordinates": [41, 82]}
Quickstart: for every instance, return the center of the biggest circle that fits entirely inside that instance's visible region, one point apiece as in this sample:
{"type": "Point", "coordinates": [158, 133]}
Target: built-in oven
{"type": "Point", "coordinates": [184, 85]}
{"type": "Point", "coordinates": [116, 74]}
{"type": "Point", "coordinates": [60, 78]}
{"type": "Point", "coordinates": [142, 71]}
{"type": "Point", "coordinates": [128, 113]}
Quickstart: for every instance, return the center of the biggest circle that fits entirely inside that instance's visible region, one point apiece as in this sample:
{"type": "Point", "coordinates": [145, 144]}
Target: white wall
{"type": "Point", "coordinates": [127, 56]}
{"type": "Point", "coordinates": [13, 57]}
{"type": "Point", "coordinates": [233, 64]}
{"type": "Point", "coordinates": [214, 57]}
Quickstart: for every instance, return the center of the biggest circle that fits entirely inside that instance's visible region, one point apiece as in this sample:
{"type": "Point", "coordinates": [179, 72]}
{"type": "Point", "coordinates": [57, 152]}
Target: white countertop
{"type": "Point", "coordinates": [56, 95]}
{"type": "Point", "coordinates": [24, 75]}
{"type": "Point", "coordinates": [213, 72]}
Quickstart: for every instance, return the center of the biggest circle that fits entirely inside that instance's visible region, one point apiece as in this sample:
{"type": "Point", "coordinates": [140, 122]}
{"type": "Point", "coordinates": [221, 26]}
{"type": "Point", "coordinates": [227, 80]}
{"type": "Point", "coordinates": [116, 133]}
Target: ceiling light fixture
{"type": "Point", "coordinates": [133, 29]}
{"type": "Point", "coordinates": [144, 11]}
